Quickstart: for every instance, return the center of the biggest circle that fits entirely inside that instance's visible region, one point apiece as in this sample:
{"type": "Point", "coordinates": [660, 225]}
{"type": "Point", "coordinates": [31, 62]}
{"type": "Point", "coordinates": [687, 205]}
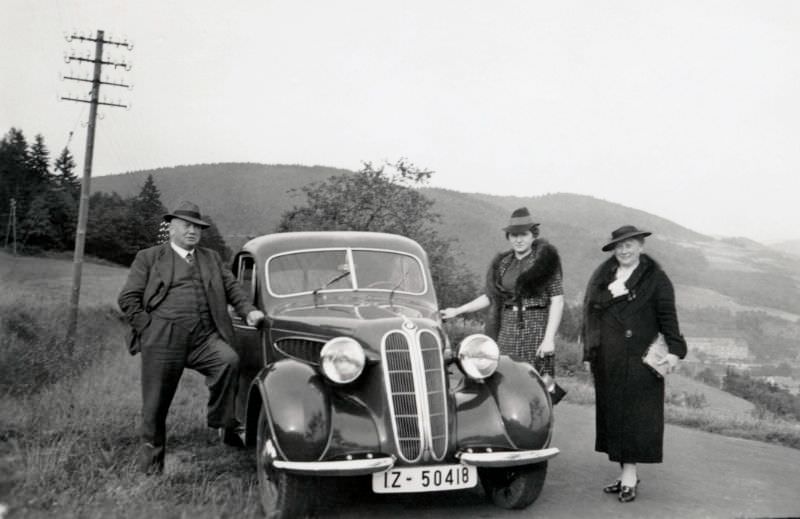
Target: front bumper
{"type": "Point", "coordinates": [336, 468]}
{"type": "Point", "coordinates": [369, 466]}
{"type": "Point", "coordinates": [506, 458]}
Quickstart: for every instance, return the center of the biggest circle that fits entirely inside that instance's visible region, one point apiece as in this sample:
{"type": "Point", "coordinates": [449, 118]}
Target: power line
{"type": "Point", "coordinates": [94, 101]}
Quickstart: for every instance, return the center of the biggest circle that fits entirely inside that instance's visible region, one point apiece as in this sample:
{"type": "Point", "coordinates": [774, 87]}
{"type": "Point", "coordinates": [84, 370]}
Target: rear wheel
{"type": "Point", "coordinates": [282, 495]}
{"type": "Point", "coordinates": [514, 488]}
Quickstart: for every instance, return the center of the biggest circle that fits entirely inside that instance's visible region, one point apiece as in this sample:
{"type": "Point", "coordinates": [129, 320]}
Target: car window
{"type": "Point", "coordinates": [308, 271]}
{"type": "Point", "coordinates": [388, 271]}
{"type": "Point", "coordinates": [325, 270]}
{"type": "Point", "coordinates": [245, 273]}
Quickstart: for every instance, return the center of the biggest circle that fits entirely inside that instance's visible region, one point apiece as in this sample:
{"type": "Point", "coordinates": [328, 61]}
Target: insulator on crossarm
{"type": "Point", "coordinates": [67, 36]}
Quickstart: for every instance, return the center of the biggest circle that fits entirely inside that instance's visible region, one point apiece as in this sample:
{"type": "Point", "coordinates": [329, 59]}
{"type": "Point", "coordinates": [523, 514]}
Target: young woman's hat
{"type": "Point", "coordinates": [623, 233]}
{"type": "Point", "coordinates": [520, 221]}
{"type": "Point", "coordinates": [187, 211]}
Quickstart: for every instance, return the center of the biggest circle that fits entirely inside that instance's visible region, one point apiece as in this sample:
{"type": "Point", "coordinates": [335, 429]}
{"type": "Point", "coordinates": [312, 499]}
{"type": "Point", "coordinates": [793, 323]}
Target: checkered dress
{"type": "Point", "coordinates": [519, 339]}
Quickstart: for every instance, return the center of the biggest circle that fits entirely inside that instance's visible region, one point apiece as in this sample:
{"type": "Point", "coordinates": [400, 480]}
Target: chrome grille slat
{"type": "Point", "coordinates": [399, 372]}
{"type": "Point", "coordinates": [414, 374]}
{"type": "Point", "coordinates": [437, 397]}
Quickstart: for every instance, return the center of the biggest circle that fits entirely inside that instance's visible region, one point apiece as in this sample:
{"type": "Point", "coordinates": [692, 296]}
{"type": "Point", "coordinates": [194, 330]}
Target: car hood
{"type": "Point", "coordinates": [367, 323]}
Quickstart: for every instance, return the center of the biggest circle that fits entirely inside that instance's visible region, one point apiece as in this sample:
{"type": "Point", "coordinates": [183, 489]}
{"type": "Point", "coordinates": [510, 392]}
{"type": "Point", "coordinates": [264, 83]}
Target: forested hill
{"type": "Point", "coordinates": [247, 199]}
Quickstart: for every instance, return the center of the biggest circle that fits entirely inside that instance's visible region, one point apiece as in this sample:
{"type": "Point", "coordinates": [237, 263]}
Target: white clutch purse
{"type": "Point", "coordinates": [655, 354]}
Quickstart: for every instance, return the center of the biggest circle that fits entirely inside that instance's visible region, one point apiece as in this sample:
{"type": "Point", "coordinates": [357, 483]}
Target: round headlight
{"type": "Point", "coordinates": [478, 356]}
{"type": "Point", "coordinates": [342, 360]}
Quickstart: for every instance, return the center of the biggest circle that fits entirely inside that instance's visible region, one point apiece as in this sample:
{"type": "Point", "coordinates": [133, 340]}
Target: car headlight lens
{"type": "Point", "coordinates": [478, 356]}
{"type": "Point", "coordinates": [342, 360]}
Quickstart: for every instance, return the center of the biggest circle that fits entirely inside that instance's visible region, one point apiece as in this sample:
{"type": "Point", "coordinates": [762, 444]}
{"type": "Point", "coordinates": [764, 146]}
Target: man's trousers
{"type": "Point", "coordinates": [169, 346]}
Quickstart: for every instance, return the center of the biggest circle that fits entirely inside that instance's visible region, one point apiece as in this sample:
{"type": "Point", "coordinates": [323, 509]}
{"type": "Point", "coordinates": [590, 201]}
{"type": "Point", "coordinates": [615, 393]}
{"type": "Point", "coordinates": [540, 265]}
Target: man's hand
{"type": "Point", "coordinates": [255, 318]}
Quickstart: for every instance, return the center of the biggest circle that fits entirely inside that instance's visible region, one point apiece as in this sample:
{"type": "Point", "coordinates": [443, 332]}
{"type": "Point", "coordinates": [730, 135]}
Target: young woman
{"type": "Point", "coordinates": [525, 293]}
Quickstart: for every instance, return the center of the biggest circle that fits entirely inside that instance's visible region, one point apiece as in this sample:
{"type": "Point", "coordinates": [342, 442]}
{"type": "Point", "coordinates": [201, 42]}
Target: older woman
{"type": "Point", "coordinates": [629, 301]}
{"type": "Point", "coordinates": [524, 291]}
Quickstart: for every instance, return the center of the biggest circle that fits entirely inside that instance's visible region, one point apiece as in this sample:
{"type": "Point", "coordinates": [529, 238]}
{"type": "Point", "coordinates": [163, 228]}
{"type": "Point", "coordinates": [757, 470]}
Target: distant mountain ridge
{"type": "Point", "coordinates": [247, 199]}
{"type": "Point", "coordinates": [789, 246]}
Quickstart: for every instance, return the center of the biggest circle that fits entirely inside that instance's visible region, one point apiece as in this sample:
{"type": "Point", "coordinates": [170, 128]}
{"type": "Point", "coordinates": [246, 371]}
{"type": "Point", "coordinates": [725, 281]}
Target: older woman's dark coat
{"type": "Point", "coordinates": [616, 334]}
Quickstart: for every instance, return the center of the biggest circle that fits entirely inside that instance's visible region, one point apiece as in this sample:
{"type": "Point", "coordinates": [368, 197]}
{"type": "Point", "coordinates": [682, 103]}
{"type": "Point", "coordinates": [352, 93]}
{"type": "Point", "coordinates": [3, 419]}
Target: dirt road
{"type": "Point", "coordinates": [703, 475]}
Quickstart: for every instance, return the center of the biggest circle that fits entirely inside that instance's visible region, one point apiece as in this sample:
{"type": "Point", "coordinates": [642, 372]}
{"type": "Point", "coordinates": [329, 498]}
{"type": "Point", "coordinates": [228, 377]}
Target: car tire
{"type": "Point", "coordinates": [282, 495]}
{"type": "Point", "coordinates": [514, 488]}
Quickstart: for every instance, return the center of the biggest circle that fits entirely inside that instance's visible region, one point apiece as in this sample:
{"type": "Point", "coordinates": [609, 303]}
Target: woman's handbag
{"type": "Point", "coordinates": [556, 392]}
{"type": "Point", "coordinates": [655, 353]}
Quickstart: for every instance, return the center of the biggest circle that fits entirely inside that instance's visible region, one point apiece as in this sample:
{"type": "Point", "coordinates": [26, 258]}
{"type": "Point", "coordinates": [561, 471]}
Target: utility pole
{"type": "Point", "coordinates": [94, 101]}
{"type": "Point", "coordinates": [11, 229]}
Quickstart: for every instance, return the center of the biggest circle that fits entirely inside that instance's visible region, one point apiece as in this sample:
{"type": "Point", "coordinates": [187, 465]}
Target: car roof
{"type": "Point", "coordinates": [268, 245]}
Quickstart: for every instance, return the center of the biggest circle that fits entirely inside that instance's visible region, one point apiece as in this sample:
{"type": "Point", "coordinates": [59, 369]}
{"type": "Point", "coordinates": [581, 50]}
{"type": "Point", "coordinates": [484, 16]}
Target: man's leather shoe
{"type": "Point", "coordinates": [614, 488]}
{"type": "Point", "coordinates": [233, 436]}
{"type": "Point", "coordinates": [627, 494]}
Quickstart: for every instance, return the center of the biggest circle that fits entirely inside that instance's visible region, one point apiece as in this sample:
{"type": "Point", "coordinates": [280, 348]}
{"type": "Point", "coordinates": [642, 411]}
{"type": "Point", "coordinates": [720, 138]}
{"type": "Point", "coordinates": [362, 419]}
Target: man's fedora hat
{"type": "Point", "coordinates": [187, 211]}
{"type": "Point", "coordinates": [520, 221]}
{"type": "Point", "coordinates": [624, 233]}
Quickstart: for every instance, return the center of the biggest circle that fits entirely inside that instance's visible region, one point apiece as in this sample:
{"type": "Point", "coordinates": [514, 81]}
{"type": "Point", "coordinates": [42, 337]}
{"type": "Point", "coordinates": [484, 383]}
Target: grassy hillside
{"type": "Point", "coordinates": [67, 448]}
{"type": "Point", "coordinates": [248, 199]}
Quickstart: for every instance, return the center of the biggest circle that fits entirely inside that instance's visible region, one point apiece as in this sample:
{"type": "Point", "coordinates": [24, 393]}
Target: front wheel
{"type": "Point", "coordinates": [282, 495]}
{"type": "Point", "coordinates": [514, 488]}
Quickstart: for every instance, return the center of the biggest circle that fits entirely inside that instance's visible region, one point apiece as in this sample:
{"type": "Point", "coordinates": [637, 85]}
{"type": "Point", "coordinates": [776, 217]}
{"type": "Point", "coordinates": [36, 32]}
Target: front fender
{"type": "Point", "coordinates": [511, 409]}
{"type": "Point", "coordinates": [297, 403]}
{"type": "Point", "coordinates": [523, 402]}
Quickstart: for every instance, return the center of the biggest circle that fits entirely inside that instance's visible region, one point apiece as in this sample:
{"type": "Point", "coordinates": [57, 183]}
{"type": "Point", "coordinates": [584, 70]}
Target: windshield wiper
{"type": "Point", "coordinates": [329, 283]}
{"type": "Point", "coordinates": [391, 294]}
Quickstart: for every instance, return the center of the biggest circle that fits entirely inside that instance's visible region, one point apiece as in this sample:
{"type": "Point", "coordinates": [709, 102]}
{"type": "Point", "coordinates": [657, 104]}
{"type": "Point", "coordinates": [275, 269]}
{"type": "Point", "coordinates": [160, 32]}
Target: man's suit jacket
{"type": "Point", "coordinates": [149, 280]}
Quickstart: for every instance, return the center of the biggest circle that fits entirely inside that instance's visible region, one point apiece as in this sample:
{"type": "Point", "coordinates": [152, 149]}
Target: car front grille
{"type": "Point", "coordinates": [300, 349]}
{"type": "Point", "coordinates": [414, 373]}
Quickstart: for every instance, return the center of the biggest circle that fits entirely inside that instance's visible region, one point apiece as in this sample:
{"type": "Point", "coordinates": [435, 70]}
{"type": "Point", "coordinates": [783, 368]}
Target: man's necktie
{"type": "Point", "coordinates": [190, 258]}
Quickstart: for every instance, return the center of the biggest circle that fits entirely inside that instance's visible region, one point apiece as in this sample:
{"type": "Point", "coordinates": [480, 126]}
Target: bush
{"type": "Point", "coordinates": [35, 353]}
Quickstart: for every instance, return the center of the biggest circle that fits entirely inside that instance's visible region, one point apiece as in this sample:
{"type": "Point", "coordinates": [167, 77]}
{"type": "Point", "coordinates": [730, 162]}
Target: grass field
{"type": "Point", "coordinates": [69, 423]}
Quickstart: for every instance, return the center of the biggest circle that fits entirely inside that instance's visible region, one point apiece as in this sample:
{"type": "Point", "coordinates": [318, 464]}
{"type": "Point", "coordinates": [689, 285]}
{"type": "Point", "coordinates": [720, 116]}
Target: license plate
{"type": "Point", "coordinates": [431, 478]}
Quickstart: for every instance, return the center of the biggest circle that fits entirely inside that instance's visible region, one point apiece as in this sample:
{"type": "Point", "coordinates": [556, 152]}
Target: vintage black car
{"type": "Point", "coordinates": [352, 375]}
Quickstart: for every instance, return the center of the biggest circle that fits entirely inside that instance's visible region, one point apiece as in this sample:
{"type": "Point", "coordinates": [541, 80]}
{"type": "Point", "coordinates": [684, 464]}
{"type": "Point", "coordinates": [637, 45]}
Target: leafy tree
{"type": "Point", "coordinates": [384, 199]}
{"type": "Point", "coordinates": [110, 232]}
{"type": "Point", "coordinates": [37, 228]}
{"type": "Point", "coordinates": [212, 239]}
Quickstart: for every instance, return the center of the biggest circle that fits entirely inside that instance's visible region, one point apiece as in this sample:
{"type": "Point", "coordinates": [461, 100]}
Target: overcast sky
{"type": "Point", "coordinates": [686, 109]}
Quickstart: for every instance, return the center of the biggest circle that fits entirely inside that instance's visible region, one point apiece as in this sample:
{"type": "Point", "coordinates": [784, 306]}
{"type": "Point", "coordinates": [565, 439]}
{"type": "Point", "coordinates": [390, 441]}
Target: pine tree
{"type": "Point", "coordinates": [38, 166]}
{"type": "Point", "coordinates": [147, 213]}
{"type": "Point", "coordinates": [64, 173]}
{"type": "Point", "coordinates": [14, 161]}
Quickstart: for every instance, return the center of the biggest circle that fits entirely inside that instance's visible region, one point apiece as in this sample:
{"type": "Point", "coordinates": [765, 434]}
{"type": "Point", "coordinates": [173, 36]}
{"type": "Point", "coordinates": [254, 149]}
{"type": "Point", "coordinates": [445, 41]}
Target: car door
{"type": "Point", "coordinates": [248, 338]}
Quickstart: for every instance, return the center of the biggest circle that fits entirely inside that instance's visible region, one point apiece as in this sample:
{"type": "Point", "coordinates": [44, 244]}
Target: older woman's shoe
{"type": "Point", "coordinates": [614, 488]}
{"type": "Point", "coordinates": [627, 494]}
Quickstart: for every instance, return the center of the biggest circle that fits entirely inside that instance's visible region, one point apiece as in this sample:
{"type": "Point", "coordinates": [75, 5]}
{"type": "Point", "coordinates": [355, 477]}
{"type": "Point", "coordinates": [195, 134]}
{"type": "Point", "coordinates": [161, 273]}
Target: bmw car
{"type": "Point", "coordinates": [352, 374]}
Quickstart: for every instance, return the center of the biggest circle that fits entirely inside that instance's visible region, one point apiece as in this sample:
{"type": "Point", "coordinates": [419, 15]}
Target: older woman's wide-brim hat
{"type": "Point", "coordinates": [625, 232]}
{"type": "Point", "coordinates": [188, 211]}
{"type": "Point", "coordinates": [520, 221]}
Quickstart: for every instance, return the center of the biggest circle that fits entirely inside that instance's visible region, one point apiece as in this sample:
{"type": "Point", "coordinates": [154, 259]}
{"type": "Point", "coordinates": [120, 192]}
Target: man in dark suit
{"type": "Point", "coordinates": [176, 299]}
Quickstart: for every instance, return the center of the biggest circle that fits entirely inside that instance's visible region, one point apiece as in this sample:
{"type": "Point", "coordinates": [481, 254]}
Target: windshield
{"type": "Point", "coordinates": [328, 270]}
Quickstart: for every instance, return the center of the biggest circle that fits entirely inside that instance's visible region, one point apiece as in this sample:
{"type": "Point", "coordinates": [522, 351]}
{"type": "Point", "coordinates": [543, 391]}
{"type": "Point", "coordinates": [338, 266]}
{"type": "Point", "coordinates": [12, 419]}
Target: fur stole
{"type": "Point", "coordinates": [531, 282]}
